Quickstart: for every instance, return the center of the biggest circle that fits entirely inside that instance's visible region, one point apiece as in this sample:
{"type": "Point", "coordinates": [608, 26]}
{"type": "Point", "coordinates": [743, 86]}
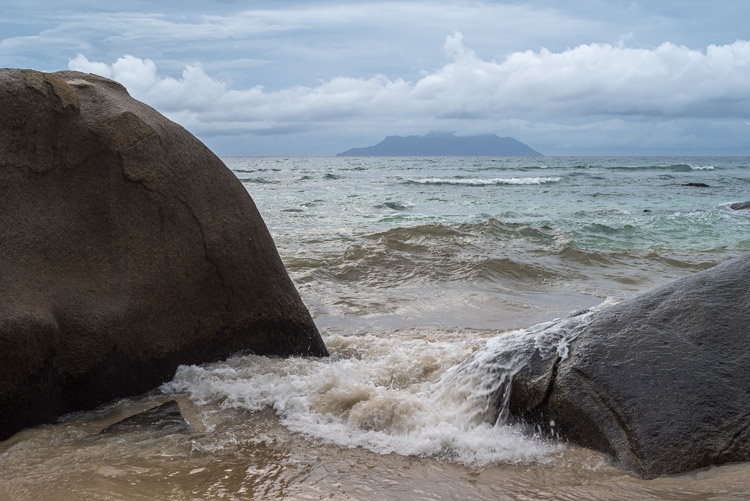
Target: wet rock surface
{"type": "Point", "coordinates": [127, 249]}
{"type": "Point", "coordinates": [660, 382]}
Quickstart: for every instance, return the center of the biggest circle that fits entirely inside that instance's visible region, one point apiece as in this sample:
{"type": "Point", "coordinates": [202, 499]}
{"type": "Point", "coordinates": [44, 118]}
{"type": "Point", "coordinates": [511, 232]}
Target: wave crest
{"type": "Point", "coordinates": [484, 182]}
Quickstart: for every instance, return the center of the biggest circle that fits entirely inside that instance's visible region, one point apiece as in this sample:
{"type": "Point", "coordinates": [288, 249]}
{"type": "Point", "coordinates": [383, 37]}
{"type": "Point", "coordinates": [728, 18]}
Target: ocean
{"type": "Point", "coordinates": [409, 266]}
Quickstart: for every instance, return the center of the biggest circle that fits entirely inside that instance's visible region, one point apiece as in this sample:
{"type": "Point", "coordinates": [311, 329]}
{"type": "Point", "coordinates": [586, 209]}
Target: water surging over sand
{"type": "Point", "coordinates": [384, 400]}
{"type": "Point", "coordinates": [419, 400]}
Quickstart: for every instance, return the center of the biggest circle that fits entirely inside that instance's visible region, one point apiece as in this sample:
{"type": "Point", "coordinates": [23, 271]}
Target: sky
{"type": "Point", "coordinates": [581, 77]}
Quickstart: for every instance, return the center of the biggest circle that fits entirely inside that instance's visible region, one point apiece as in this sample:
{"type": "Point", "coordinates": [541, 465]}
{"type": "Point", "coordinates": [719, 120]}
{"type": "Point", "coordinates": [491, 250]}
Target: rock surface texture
{"type": "Point", "coordinates": [660, 382]}
{"type": "Point", "coordinates": [126, 249]}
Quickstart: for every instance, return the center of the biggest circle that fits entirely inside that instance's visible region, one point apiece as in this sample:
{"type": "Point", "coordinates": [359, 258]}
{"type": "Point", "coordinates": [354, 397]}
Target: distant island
{"type": "Point", "coordinates": [445, 144]}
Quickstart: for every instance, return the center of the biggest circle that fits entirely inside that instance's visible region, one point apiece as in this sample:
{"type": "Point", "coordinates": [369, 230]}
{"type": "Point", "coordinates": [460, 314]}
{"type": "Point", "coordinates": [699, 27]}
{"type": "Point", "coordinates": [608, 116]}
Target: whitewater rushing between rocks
{"type": "Point", "coordinates": [371, 396]}
{"type": "Point", "coordinates": [429, 297]}
{"type": "Point", "coordinates": [417, 400]}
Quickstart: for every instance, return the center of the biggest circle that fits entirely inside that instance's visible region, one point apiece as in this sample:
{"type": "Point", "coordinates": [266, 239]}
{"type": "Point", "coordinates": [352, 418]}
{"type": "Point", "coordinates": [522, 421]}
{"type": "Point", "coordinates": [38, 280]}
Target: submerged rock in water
{"type": "Point", "coordinates": [740, 205]}
{"type": "Point", "coordinates": [697, 185]}
{"type": "Point", "coordinates": [660, 382]}
{"type": "Point", "coordinates": [127, 249]}
{"type": "Point", "coordinates": [165, 417]}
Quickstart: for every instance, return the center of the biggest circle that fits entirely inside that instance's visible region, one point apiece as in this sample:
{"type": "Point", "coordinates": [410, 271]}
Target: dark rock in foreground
{"type": "Point", "coordinates": [438, 144]}
{"type": "Point", "coordinates": [127, 248]}
{"type": "Point", "coordinates": [740, 206]}
{"type": "Point", "coordinates": [697, 185]}
{"type": "Point", "coordinates": [660, 382]}
{"type": "Point", "coordinates": [166, 418]}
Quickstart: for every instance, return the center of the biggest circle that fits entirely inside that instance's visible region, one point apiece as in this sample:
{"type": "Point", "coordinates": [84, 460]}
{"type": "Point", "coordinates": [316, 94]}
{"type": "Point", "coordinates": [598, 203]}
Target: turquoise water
{"type": "Point", "coordinates": [367, 236]}
{"type": "Point", "coordinates": [587, 203]}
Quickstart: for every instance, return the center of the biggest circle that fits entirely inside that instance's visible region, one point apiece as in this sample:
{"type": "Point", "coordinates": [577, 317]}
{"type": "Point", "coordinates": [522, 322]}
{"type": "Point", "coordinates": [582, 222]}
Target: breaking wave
{"type": "Point", "coordinates": [670, 168]}
{"type": "Point", "coordinates": [483, 381]}
{"type": "Point", "coordinates": [371, 396]}
{"type": "Point", "coordinates": [484, 182]}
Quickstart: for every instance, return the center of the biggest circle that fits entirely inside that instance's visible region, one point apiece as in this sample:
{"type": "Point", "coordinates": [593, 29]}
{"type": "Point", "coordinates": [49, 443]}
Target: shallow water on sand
{"type": "Point", "coordinates": [252, 456]}
{"type": "Point", "coordinates": [410, 266]}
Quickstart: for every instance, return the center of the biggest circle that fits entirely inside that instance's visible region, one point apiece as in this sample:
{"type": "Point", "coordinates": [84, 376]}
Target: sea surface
{"type": "Point", "coordinates": [409, 266]}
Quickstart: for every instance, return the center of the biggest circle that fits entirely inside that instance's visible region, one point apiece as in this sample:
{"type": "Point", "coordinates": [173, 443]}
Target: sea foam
{"type": "Point", "coordinates": [486, 182]}
{"type": "Point", "coordinates": [384, 393]}
{"type": "Point", "coordinates": [413, 393]}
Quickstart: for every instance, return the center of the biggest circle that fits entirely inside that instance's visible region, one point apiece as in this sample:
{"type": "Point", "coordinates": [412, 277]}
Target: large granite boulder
{"type": "Point", "coordinates": [660, 382]}
{"type": "Point", "coordinates": [126, 249]}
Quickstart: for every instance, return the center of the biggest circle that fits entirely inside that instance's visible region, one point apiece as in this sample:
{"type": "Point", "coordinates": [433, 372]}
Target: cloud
{"type": "Point", "coordinates": [81, 63]}
{"type": "Point", "coordinates": [599, 80]}
{"type": "Point", "coordinates": [454, 48]}
{"type": "Point", "coordinates": [303, 41]}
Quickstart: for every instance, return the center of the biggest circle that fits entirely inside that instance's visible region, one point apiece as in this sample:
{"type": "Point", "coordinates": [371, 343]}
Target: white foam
{"type": "Point", "coordinates": [483, 381]}
{"type": "Point", "coordinates": [488, 182]}
{"type": "Point", "coordinates": [382, 393]}
{"type": "Point", "coordinates": [411, 392]}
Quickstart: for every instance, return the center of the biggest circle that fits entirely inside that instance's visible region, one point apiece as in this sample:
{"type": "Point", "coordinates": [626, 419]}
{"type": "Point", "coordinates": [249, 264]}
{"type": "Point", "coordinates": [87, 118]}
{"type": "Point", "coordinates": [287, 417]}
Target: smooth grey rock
{"type": "Point", "coordinates": [127, 248]}
{"type": "Point", "coordinates": [660, 382]}
{"type": "Point", "coordinates": [740, 205]}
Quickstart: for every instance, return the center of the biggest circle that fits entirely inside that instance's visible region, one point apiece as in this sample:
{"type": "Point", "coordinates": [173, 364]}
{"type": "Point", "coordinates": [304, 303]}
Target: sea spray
{"type": "Point", "coordinates": [481, 385]}
{"type": "Point", "coordinates": [408, 392]}
{"type": "Point", "coordinates": [381, 393]}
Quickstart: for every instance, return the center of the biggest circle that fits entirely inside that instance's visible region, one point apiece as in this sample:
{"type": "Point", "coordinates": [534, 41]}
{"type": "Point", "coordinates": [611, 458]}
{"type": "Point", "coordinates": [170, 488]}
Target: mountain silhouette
{"type": "Point", "coordinates": [445, 144]}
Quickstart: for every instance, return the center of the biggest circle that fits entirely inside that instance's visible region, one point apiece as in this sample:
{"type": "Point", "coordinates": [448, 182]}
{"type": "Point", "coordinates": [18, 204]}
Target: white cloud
{"type": "Point", "coordinates": [588, 80]}
{"type": "Point", "coordinates": [81, 63]}
{"type": "Point", "coordinates": [454, 48]}
{"type": "Point", "coordinates": [303, 41]}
